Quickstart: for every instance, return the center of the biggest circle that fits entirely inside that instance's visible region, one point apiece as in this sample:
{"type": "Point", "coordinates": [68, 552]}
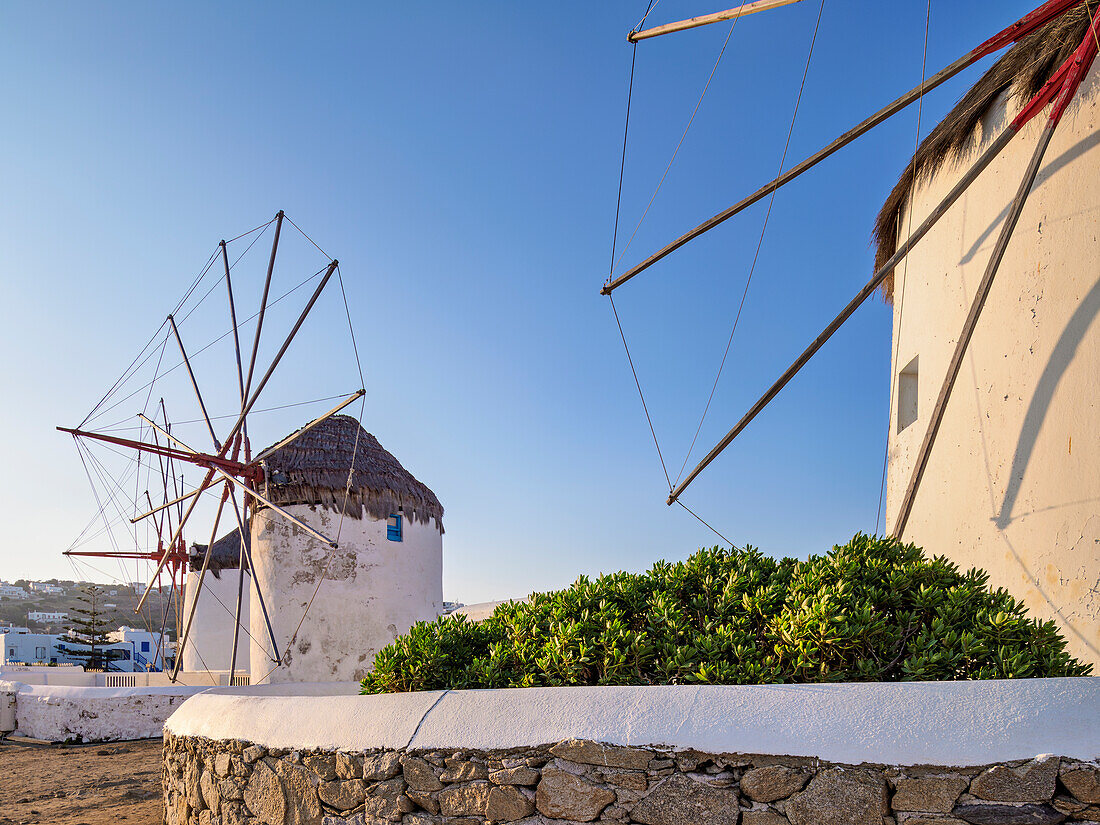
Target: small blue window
{"type": "Point", "coordinates": [144, 647]}
{"type": "Point", "coordinates": [393, 528]}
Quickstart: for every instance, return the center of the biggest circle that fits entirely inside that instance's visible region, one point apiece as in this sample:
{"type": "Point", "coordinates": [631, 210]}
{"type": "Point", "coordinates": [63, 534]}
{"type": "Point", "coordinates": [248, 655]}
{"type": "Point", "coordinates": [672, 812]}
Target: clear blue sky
{"type": "Point", "coordinates": [462, 160]}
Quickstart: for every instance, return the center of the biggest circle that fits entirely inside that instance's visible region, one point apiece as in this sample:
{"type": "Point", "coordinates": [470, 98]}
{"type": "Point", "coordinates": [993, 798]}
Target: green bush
{"type": "Point", "coordinates": [872, 610]}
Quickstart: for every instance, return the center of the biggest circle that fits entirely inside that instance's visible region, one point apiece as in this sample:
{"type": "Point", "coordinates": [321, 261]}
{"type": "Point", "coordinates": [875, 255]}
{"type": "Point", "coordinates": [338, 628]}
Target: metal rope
{"type": "Point", "coordinates": [759, 243]}
{"type": "Point", "coordinates": [641, 395]}
{"type": "Point", "coordinates": [896, 334]}
{"type": "Point", "coordinates": [224, 335]}
{"type": "Point", "coordinates": [351, 467]}
{"type": "Point", "coordinates": [676, 151]}
{"type": "Point", "coordinates": [705, 524]}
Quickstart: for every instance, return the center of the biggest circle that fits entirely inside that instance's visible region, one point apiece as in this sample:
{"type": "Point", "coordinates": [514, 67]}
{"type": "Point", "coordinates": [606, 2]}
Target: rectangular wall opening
{"type": "Point", "coordinates": [907, 395]}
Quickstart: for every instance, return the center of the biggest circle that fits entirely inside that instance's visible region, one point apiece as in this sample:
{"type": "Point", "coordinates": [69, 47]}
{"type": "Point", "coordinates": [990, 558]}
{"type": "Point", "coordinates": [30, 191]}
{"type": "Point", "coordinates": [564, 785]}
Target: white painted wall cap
{"type": "Point", "coordinates": [906, 723]}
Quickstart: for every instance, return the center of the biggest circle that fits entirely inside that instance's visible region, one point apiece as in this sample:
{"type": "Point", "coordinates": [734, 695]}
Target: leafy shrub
{"type": "Point", "coordinates": [872, 610]}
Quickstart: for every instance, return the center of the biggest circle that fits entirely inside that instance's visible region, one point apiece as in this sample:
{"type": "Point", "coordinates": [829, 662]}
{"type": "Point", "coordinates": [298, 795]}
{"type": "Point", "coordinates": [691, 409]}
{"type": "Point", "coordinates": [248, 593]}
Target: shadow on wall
{"type": "Point", "coordinates": [1046, 173]}
{"type": "Point", "coordinates": [1060, 359]}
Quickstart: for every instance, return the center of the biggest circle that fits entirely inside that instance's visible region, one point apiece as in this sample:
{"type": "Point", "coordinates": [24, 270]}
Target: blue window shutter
{"type": "Point", "coordinates": [393, 528]}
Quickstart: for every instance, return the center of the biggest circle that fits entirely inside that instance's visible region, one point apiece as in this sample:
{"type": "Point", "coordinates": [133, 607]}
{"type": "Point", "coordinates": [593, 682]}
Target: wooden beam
{"type": "Point", "coordinates": [705, 20]}
{"type": "Point", "coordinates": [972, 173]}
{"type": "Point", "coordinates": [1024, 26]}
{"type": "Point", "coordinates": [296, 435]}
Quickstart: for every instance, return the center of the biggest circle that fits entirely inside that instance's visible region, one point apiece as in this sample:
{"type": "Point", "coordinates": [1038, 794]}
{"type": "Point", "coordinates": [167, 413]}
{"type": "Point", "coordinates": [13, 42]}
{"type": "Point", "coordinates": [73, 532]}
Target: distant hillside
{"type": "Point", "coordinates": [124, 597]}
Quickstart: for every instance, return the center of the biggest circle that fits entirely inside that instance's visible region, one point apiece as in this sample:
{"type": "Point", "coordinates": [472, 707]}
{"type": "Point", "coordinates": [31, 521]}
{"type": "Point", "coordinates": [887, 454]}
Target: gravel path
{"type": "Point", "coordinates": [102, 784]}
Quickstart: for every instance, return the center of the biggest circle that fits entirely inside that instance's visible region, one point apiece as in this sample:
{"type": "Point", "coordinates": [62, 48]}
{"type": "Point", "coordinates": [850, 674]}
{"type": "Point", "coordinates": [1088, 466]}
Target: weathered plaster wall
{"type": "Point", "coordinates": [210, 641]}
{"type": "Point", "coordinates": [91, 714]}
{"type": "Point", "coordinates": [1013, 481]}
{"type": "Point", "coordinates": [371, 590]}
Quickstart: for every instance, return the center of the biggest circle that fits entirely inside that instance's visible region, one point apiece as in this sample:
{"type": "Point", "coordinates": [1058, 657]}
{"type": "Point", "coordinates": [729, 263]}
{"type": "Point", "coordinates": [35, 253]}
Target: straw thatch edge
{"type": "Point", "coordinates": [1020, 73]}
{"type": "Point", "coordinates": [340, 466]}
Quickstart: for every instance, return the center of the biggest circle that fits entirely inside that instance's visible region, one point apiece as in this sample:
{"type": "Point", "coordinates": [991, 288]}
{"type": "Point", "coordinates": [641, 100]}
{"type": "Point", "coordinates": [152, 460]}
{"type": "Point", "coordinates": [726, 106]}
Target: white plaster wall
{"type": "Point", "coordinates": [93, 714]}
{"type": "Point", "coordinates": [899, 723]}
{"type": "Point", "coordinates": [371, 590]}
{"type": "Point", "coordinates": [210, 642]}
{"type": "Point", "coordinates": [1013, 481]}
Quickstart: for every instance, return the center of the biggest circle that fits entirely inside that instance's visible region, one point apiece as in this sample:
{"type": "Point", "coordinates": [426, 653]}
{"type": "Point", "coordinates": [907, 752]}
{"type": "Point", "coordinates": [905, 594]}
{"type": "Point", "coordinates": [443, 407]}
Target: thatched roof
{"type": "Point", "coordinates": [313, 469]}
{"type": "Point", "coordinates": [226, 554]}
{"type": "Point", "coordinates": [1021, 73]}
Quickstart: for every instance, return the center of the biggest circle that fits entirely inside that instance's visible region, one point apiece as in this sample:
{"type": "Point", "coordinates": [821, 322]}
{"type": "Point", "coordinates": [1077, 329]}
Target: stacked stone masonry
{"type": "Point", "coordinates": [237, 783]}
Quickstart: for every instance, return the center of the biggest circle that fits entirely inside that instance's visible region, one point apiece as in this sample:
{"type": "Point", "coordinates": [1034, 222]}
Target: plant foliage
{"type": "Point", "coordinates": [89, 639]}
{"type": "Point", "coordinates": [872, 610]}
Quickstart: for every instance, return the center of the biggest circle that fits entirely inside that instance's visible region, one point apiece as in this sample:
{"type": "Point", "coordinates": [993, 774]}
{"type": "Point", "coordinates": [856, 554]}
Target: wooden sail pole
{"type": "Point", "coordinates": [299, 433]}
{"type": "Point", "coordinates": [198, 591]}
{"type": "Point", "coordinates": [248, 490]}
{"type": "Point", "coordinates": [231, 481]}
{"type": "Point", "coordinates": [194, 383]}
{"type": "Point", "coordinates": [241, 529]}
{"type": "Point", "coordinates": [240, 598]}
{"type": "Point", "coordinates": [164, 506]}
{"type": "Point", "coordinates": [209, 478]}
{"type": "Point", "coordinates": [1068, 79]}
{"type": "Point", "coordinates": [868, 289]}
{"type": "Point", "coordinates": [1024, 26]}
{"type": "Point", "coordinates": [1055, 87]}
{"type": "Point", "coordinates": [706, 19]}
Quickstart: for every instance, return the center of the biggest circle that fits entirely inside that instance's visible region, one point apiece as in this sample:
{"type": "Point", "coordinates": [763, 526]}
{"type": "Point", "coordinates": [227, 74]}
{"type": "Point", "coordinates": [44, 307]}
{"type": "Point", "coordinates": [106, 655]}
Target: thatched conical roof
{"type": "Point", "coordinates": [225, 555]}
{"type": "Point", "coordinates": [1021, 73]}
{"type": "Point", "coordinates": [314, 468]}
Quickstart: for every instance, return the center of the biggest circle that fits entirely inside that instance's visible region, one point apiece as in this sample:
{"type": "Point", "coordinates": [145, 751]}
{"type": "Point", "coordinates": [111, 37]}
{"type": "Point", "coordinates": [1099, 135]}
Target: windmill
{"type": "Point", "coordinates": [231, 474]}
{"type": "Point", "coordinates": [1055, 47]}
{"type": "Point", "coordinates": [1059, 90]}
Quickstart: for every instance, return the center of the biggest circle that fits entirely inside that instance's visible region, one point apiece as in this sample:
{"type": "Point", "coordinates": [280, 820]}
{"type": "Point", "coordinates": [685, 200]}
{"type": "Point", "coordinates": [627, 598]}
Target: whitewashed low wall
{"type": "Point", "coordinates": [900, 723]}
{"type": "Point", "coordinates": [93, 714]}
{"type": "Point", "coordinates": [78, 677]}
{"type": "Point", "coordinates": [951, 753]}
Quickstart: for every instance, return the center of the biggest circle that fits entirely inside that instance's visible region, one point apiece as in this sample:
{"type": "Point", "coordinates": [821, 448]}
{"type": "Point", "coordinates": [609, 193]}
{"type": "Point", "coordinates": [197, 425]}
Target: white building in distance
{"type": "Point", "coordinates": [19, 646]}
{"type": "Point", "coordinates": [131, 650]}
{"type": "Point", "coordinates": [10, 591]}
{"type": "Point", "coordinates": [148, 650]}
{"type": "Point", "coordinates": [332, 609]}
{"type": "Point", "coordinates": [45, 617]}
{"type": "Point", "coordinates": [47, 589]}
{"type": "Point", "coordinates": [1012, 483]}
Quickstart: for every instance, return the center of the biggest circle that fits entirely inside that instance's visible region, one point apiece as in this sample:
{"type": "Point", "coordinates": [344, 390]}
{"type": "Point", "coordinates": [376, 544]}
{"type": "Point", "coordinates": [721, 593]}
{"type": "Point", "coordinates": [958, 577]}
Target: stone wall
{"type": "Point", "coordinates": [234, 782]}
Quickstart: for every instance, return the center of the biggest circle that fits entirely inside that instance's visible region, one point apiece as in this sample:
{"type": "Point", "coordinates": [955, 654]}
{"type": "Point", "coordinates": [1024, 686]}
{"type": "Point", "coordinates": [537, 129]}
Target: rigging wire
{"type": "Point", "coordinates": [622, 166]}
{"type": "Point", "coordinates": [896, 334]}
{"type": "Point", "coordinates": [221, 279]}
{"type": "Point", "coordinates": [351, 467]}
{"type": "Point", "coordinates": [304, 235]}
{"type": "Point", "coordinates": [114, 428]}
{"type": "Point", "coordinates": [652, 6]}
{"type": "Point", "coordinates": [126, 374]}
{"type": "Point", "coordinates": [705, 524]}
{"type": "Point", "coordinates": [683, 136]}
{"type": "Point", "coordinates": [614, 243]}
{"type": "Point", "coordinates": [250, 231]}
{"type": "Point", "coordinates": [221, 337]}
{"type": "Point", "coordinates": [641, 395]}
{"type": "Point", "coordinates": [759, 242]}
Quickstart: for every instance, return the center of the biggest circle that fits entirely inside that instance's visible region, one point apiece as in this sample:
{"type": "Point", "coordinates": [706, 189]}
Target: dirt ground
{"type": "Point", "coordinates": [99, 784]}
